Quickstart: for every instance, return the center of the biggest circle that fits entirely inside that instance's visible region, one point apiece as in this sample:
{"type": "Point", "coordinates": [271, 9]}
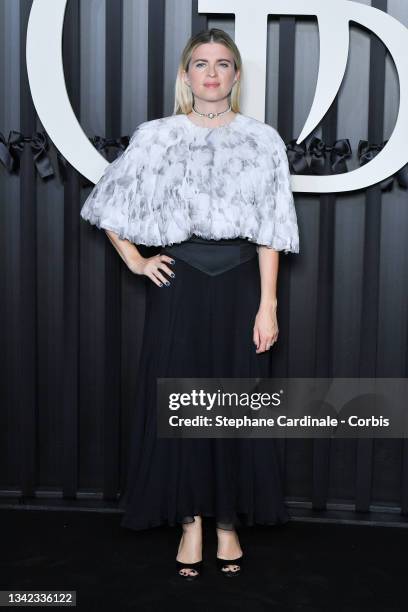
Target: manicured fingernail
{"type": "Point", "coordinates": [161, 284]}
{"type": "Point", "coordinates": [172, 275]}
{"type": "Point", "coordinates": [167, 283]}
{"type": "Point", "coordinates": [172, 261]}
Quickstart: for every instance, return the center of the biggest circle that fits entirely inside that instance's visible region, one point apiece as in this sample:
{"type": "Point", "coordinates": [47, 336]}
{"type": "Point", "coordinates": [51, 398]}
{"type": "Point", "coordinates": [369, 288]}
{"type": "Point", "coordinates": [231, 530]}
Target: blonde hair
{"type": "Point", "coordinates": [183, 99]}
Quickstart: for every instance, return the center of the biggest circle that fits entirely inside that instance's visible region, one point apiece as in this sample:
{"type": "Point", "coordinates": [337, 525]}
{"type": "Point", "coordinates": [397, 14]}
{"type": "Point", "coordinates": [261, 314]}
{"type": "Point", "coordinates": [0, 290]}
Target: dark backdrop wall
{"type": "Point", "coordinates": [71, 314]}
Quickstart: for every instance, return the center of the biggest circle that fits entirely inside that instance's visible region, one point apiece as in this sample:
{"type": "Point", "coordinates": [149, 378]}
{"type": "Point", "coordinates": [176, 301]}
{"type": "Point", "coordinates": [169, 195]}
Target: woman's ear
{"type": "Point", "coordinates": [183, 76]}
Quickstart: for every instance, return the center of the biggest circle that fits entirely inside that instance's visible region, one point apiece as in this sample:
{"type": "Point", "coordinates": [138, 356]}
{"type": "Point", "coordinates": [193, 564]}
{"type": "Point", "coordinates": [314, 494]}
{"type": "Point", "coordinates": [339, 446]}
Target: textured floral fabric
{"type": "Point", "coordinates": [176, 179]}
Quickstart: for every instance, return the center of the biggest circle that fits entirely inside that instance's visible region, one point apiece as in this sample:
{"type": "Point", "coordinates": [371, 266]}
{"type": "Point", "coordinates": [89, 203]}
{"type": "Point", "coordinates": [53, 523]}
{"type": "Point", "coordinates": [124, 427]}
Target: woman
{"type": "Point", "coordinates": [210, 187]}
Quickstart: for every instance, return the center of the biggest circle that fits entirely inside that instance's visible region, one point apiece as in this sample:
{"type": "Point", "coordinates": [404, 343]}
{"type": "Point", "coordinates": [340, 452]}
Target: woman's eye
{"type": "Point", "coordinates": [202, 64]}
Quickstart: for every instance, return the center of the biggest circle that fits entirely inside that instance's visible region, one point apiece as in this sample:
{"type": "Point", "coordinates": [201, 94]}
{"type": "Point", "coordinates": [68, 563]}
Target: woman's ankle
{"type": "Point", "coordinates": [228, 540]}
{"type": "Point", "coordinates": [226, 532]}
{"type": "Point", "coordinates": [191, 525]}
{"type": "Point", "coordinates": [191, 543]}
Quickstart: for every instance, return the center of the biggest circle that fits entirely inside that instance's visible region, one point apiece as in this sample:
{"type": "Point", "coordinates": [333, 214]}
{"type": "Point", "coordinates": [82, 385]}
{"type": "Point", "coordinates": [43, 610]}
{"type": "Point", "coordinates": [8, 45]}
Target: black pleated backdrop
{"type": "Point", "coordinates": [71, 314]}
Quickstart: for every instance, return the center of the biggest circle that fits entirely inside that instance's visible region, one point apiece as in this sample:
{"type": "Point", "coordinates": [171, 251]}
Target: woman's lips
{"type": "Point", "coordinates": [211, 84]}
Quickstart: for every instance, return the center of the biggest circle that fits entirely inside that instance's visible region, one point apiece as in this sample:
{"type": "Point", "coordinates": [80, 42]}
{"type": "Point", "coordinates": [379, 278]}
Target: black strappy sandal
{"type": "Point", "coordinates": [230, 573]}
{"type": "Point", "coordinates": [198, 567]}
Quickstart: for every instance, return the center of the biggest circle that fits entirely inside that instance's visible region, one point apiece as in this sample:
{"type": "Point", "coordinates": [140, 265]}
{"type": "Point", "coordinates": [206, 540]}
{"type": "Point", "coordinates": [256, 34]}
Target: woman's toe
{"type": "Point", "coordinates": [187, 572]}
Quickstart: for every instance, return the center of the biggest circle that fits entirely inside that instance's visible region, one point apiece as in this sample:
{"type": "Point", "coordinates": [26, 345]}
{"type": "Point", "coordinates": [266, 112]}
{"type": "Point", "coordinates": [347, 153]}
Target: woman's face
{"type": "Point", "coordinates": [211, 73]}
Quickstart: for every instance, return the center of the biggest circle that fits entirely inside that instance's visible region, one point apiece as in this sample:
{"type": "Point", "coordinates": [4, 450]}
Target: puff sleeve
{"type": "Point", "coordinates": [111, 203]}
{"type": "Point", "coordinates": [278, 228]}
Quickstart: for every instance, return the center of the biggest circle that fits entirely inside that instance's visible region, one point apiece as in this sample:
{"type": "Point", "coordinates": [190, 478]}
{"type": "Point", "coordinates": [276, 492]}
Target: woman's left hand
{"type": "Point", "coordinates": [266, 328]}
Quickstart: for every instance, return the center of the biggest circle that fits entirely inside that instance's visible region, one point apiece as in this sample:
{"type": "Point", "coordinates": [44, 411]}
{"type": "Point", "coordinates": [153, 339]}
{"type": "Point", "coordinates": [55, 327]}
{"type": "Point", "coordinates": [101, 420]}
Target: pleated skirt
{"type": "Point", "coordinates": [201, 326]}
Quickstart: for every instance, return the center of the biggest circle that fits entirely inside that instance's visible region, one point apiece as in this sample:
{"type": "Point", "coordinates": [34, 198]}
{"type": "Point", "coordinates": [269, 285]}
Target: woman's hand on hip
{"type": "Point", "coordinates": [265, 328]}
{"type": "Point", "coordinates": [153, 268]}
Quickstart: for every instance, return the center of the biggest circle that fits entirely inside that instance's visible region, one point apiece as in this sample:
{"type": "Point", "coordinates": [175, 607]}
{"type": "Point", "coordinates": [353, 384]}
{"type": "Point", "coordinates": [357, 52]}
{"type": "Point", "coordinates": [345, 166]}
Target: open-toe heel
{"type": "Point", "coordinates": [198, 567]}
{"type": "Point", "coordinates": [228, 572]}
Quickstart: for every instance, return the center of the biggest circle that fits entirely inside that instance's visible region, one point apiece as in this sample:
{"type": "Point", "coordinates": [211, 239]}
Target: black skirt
{"type": "Point", "coordinates": [201, 326]}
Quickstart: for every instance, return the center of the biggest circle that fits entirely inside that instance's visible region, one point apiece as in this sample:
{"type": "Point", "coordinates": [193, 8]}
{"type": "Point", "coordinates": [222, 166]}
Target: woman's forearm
{"type": "Point", "coordinates": [127, 250]}
{"type": "Point", "coordinates": [268, 269]}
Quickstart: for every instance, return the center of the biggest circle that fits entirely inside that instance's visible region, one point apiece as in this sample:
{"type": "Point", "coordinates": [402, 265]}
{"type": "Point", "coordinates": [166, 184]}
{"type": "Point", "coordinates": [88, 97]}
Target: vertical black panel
{"type": "Point", "coordinates": [404, 459]}
{"type": "Point", "coordinates": [286, 77]}
{"type": "Point", "coordinates": [286, 80]}
{"type": "Point", "coordinates": [69, 400]}
{"type": "Point", "coordinates": [286, 83]}
{"type": "Point", "coordinates": [113, 264]}
{"type": "Point", "coordinates": [324, 313]}
{"type": "Point", "coordinates": [321, 471]}
{"type": "Point", "coordinates": [28, 279]}
{"type": "Point", "coordinates": [371, 263]}
{"type": "Point", "coordinates": [155, 86]}
{"type": "Point", "coordinates": [10, 377]}
{"type": "Point", "coordinates": [199, 21]}
{"type": "Point", "coordinates": [7, 332]}
{"type": "Point", "coordinates": [404, 478]}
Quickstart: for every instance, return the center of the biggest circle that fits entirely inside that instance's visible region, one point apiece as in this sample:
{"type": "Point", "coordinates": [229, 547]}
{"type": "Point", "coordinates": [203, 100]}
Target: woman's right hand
{"type": "Point", "coordinates": [152, 267]}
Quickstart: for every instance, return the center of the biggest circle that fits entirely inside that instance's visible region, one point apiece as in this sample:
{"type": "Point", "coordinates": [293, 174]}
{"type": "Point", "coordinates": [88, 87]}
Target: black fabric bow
{"type": "Point", "coordinates": [296, 153]}
{"type": "Point", "coordinates": [318, 149]}
{"type": "Point", "coordinates": [39, 146]}
{"type": "Point", "coordinates": [10, 152]}
{"type": "Point", "coordinates": [101, 144]}
{"type": "Point", "coordinates": [367, 151]}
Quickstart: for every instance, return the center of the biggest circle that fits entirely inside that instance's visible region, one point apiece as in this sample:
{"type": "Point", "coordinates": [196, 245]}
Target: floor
{"type": "Point", "coordinates": [299, 566]}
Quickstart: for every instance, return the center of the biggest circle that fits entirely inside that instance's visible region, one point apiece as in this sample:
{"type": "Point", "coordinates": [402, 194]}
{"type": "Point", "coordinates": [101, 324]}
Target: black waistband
{"type": "Point", "coordinates": [222, 241]}
{"type": "Point", "coordinates": [207, 256]}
